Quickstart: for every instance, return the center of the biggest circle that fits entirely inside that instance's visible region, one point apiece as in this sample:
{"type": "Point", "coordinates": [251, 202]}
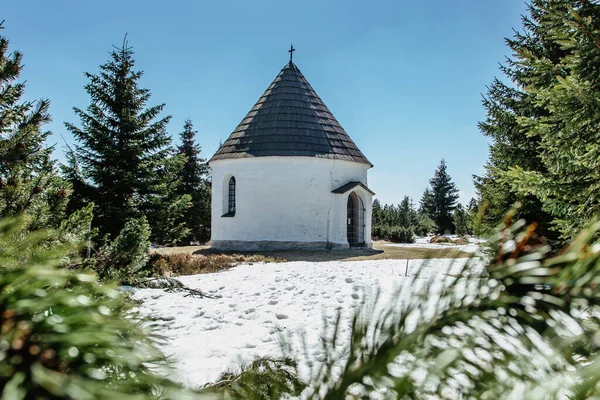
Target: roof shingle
{"type": "Point", "coordinates": [288, 120]}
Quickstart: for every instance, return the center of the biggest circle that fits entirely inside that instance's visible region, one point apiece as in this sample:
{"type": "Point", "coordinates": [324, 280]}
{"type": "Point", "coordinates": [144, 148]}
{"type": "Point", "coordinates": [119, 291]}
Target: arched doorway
{"type": "Point", "coordinates": [355, 217]}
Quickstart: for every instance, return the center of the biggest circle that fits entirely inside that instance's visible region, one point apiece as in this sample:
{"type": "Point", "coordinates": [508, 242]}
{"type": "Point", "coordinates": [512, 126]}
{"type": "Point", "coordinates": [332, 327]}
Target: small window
{"type": "Point", "coordinates": [231, 208]}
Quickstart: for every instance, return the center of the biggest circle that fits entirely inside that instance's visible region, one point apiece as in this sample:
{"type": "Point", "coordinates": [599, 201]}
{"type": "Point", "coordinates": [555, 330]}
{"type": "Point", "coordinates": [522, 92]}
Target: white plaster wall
{"type": "Point", "coordinates": [286, 199]}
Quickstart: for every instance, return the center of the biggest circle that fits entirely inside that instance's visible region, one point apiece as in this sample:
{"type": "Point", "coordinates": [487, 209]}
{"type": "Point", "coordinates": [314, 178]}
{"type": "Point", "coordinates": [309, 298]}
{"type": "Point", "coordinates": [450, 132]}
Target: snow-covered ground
{"type": "Point", "coordinates": [423, 243]}
{"type": "Point", "coordinates": [256, 305]}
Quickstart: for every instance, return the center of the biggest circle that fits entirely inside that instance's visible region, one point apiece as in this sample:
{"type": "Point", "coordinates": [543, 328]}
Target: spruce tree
{"type": "Point", "coordinates": [195, 183]}
{"type": "Point", "coordinates": [439, 201]}
{"type": "Point", "coordinates": [407, 214]}
{"type": "Point", "coordinates": [29, 183]}
{"type": "Point", "coordinates": [377, 213]}
{"type": "Point", "coordinates": [507, 105]}
{"type": "Point", "coordinates": [122, 161]}
{"type": "Point", "coordinates": [461, 219]}
{"type": "Point", "coordinates": [568, 185]}
{"type": "Point", "coordinates": [543, 124]}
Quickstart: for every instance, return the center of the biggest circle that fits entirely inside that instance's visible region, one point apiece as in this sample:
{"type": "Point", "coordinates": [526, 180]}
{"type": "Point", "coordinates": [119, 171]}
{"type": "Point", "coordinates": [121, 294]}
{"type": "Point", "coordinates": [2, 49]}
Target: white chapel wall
{"type": "Point", "coordinates": [285, 199]}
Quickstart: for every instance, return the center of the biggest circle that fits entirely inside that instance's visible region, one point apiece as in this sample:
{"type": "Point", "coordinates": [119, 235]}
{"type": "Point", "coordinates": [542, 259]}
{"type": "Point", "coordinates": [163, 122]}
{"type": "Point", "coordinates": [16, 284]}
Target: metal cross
{"type": "Point", "coordinates": [291, 51]}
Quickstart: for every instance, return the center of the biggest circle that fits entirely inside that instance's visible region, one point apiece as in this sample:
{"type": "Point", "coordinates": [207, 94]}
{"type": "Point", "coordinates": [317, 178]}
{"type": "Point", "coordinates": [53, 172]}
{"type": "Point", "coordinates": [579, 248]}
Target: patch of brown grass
{"type": "Point", "coordinates": [175, 264]}
{"type": "Point", "coordinates": [440, 239]}
{"type": "Point", "coordinates": [443, 239]}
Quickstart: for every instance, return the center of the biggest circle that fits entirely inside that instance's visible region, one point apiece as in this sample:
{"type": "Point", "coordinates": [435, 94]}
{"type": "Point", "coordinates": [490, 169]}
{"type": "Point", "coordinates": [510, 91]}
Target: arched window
{"type": "Point", "coordinates": [231, 208]}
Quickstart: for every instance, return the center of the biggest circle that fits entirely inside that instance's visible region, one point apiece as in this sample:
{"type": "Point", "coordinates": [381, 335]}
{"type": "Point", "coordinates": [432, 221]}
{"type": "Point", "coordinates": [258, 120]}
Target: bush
{"type": "Point", "coordinates": [396, 234]}
{"type": "Point", "coordinates": [64, 335]}
{"type": "Point", "coordinates": [424, 226]}
{"type": "Point", "coordinates": [517, 321]}
{"type": "Point", "coordinates": [399, 234]}
{"type": "Point", "coordinates": [124, 259]}
{"type": "Point", "coordinates": [168, 265]}
{"type": "Point", "coordinates": [377, 232]}
{"type": "Point", "coordinates": [263, 379]}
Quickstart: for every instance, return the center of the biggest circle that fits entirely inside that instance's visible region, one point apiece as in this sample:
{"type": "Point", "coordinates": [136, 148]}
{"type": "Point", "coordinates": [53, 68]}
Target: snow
{"type": "Point", "coordinates": [254, 306]}
{"type": "Point", "coordinates": [423, 243]}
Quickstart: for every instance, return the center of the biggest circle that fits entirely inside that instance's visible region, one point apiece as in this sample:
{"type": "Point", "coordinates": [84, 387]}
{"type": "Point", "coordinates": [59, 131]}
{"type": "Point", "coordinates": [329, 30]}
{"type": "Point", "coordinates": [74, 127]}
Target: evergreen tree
{"type": "Point", "coordinates": [195, 183]}
{"type": "Point", "coordinates": [376, 216]}
{"type": "Point", "coordinates": [537, 60]}
{"type": "Point", "coordinates": [123, 162]}
{"type": "Point", "coordinates": [68, 336]}
{"type": "Point", "coordinates": [426, 203]}
{"type": "Point", "coordinates": [439, 201]}
{"type": "Point", "coordinates": [29, 182]}
{"type": "Point", "coordinates": [462, 223]}
{"type": "Point", "coordinates": [568, 90]}
{"type": "Point", "coordinates": [407, 215]}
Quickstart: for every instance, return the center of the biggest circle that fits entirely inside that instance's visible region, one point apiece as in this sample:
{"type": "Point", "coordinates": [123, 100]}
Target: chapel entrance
{"type": "Point", "coordinates": [355, 217]}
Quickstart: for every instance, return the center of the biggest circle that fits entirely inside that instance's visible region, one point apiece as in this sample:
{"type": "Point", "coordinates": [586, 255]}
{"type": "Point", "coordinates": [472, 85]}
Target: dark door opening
{"type": "Point", "coordinates": [355, 221]}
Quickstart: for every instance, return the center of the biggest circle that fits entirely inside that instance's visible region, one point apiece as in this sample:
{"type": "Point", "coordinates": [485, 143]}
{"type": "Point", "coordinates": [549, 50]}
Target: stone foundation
{"type": "Point", "coordinates": [274, 245]}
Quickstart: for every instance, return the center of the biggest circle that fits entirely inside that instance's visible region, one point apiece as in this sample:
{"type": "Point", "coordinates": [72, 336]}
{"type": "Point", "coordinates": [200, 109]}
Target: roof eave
{"type": "Point", "coordinates": [351, 185]}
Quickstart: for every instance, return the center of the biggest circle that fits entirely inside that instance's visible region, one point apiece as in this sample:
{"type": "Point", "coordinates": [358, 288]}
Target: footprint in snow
{"type": "Point", "coordinates": [349, 280]}
{"type": "Point", "coordinates": [272, 302]}
{"type": "Point", "coordinates": [290, 288]}
{"type": "Point", "coordinates": [212, 327]}
{"type": "Point", "coordinates": [275, 330]}
{"type": "Point", "coordinates": [281, 316]}
{"type": "Point", "coordinates": [355, 296]}
{"type": "Point", "coordinates": [250, 346]}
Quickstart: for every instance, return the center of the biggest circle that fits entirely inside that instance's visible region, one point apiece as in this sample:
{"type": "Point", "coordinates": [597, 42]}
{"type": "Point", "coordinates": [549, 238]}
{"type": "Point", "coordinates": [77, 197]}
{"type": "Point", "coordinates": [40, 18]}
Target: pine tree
{"type": "Point", "coordinates": [123, 162]}
{"type": "Point", "coordinates": [195, 183]}
{"type": "Point", "coordinates": [29, 182]}
{"type": "Point", "coordinates": [507, 105]}
{"type": "Point", "coordinates": [439, 201]}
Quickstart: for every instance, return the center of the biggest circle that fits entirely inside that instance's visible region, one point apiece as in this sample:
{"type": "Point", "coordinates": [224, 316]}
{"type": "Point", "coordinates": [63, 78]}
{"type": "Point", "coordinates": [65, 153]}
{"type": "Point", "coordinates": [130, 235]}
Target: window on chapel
{"type": "Point", "coordinates": [231, 208]}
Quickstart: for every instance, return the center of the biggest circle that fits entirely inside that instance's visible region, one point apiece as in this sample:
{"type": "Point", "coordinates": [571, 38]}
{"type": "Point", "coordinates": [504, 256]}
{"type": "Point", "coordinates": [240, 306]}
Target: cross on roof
{"type": "Point", "coordinates": [291, 51]}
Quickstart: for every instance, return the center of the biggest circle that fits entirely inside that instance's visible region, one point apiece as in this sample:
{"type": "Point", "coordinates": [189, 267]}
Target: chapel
{"type": "Point", "coordinates": [289, 177]}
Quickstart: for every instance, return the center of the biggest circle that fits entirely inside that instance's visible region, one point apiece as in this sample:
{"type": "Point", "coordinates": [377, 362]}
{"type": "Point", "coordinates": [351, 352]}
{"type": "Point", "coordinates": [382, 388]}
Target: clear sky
{"type": "Point", "coordinates": [404, 78]}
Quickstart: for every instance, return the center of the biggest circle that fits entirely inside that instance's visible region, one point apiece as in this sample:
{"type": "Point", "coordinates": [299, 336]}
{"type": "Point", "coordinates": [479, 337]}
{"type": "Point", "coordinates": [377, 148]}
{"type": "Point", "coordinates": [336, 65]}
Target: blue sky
{"type": "Point", "coordinates": [404, 78]}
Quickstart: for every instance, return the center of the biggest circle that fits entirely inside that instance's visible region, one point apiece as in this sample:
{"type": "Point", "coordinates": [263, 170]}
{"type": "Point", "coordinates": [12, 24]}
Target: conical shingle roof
{"type": "Point", "coordinates": [290, 119]}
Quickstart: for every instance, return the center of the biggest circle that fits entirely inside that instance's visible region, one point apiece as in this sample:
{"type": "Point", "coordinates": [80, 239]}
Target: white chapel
{"type": "Point", "coordinates": [289, 176]}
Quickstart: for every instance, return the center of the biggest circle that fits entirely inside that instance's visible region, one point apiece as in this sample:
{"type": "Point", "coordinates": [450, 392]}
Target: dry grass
{"type": "Point", "coordinates": [183, 263]}
{"type": "Point", "coordinates": [379, 252]}
{"type": "Point", "coordinates": [446, 240]}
